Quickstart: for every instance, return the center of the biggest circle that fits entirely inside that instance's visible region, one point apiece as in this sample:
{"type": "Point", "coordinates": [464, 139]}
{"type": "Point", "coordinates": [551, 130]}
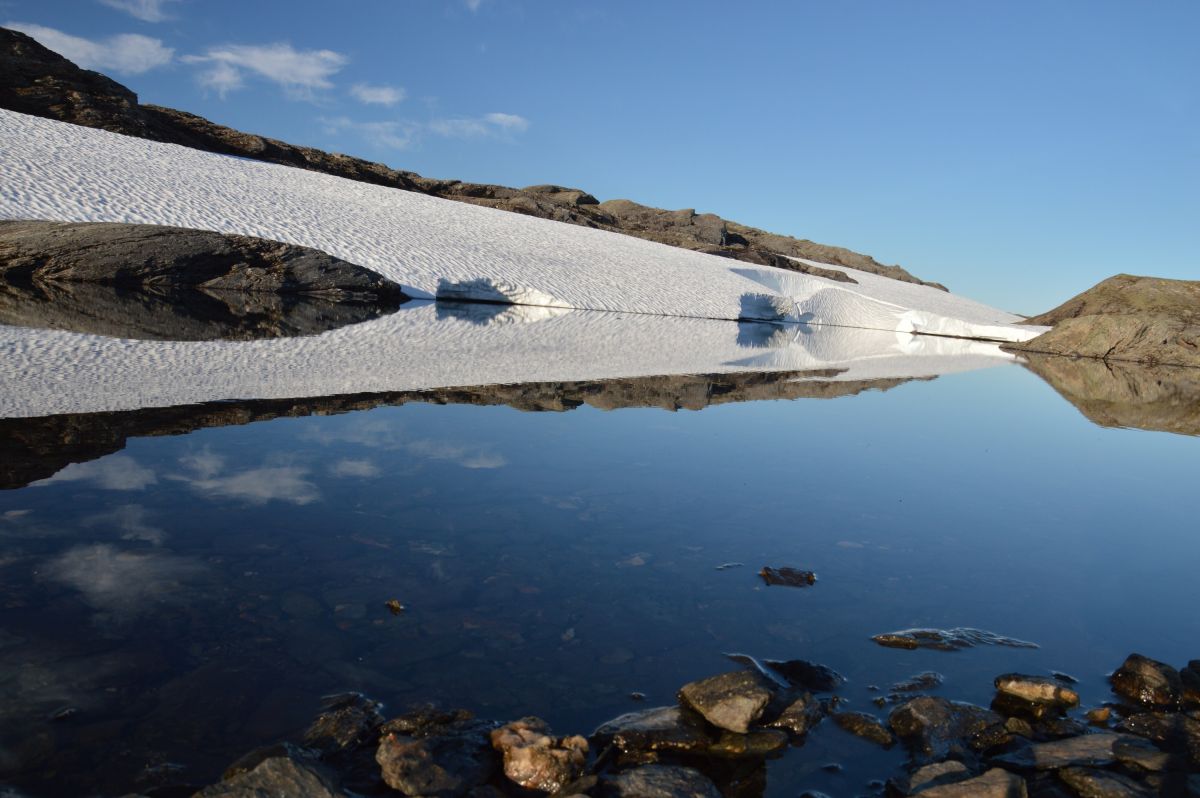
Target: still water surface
{"type": "Point", "coordinates": [192, 597]}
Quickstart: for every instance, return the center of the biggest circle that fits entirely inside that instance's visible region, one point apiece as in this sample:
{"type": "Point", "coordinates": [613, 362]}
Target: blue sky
{"type": "Point", "coordinates": [1018, 152]}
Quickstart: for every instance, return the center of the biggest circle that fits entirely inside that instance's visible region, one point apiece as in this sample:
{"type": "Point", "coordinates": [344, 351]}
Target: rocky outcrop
{"type": "Point", "coordinates": [1125, 395]}
{"type": "Point", "coordinates": [172, 258]}
{"type": "Point", "coordinates": [1147, 320]}
{"type": "Point", "coordinates": [37, 81]}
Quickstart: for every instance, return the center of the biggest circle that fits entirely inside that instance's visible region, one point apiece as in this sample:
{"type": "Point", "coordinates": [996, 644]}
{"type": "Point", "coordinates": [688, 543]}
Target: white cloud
{"type": "Point", "coordinates": [299, 72]}
{"type": "Point", "coordinates": [389, 135]}
{"type": "Point", "coordinates": [465, 456]}
{"type": "Point", "coordinates": [120, 582]}
{"type": "Point", "coordinates": [479, 127]}
{"type": "Point", "coordinates": [377, 95]}
{"type": "Point", "coordinates": [473, 5]}
{"type": "Point", "coordinates": [261, 485]}
{"type": "Point", "coordinates": [204, 464]}
{"type": "Point", "coordinates": [115, 472]}
{"type": "Point", "coordinates": [127, 53]}
{"type": "Point", "coordinates": [145, 10]}
{"type": "Point", "coordinates": [131, 519]}
{"type": "Point", "coordinates": [508, 121]}
{"type": "Point", "coordinates": [354, 468]}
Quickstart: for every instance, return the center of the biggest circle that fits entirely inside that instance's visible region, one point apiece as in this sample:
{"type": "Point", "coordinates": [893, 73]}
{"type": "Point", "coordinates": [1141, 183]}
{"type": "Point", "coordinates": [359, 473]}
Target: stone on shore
{"type": "Point", "coordinates": [1147, 682]}
{"type": "Point", "coordinates": [730, 701]}
{"type": "Point", "coordinates": [535, 759]}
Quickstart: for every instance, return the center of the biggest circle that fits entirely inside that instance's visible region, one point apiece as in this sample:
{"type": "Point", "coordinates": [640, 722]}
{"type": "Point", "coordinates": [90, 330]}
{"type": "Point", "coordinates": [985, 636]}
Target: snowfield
{"type": "Point", "coordinates": [665, 310]}
{"type": "Point", "coordinates": [53, 170]}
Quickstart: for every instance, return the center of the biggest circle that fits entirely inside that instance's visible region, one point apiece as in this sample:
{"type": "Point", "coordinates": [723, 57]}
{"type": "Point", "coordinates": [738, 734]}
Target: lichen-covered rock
{"type": "Point", "coordinates": [444, 765]}
{"type": "Point", "coordinates": [535, 759]}
{"type": "Point", "coordinates": [1147, 681]}
{"type": "Point", "coordinates": [659, 781]}
{"type": "Point", "coordinates": [730, 701]}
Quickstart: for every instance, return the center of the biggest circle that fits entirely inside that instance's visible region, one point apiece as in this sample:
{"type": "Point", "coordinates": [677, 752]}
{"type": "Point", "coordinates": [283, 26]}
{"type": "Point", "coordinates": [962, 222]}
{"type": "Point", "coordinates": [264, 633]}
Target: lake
{"type": "Point", "coordinates": [178, 586]}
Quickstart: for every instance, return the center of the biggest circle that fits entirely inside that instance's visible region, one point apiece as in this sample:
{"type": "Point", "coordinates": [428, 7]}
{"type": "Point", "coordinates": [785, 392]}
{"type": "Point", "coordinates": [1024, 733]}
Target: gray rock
{"type": "Point", "coordinates": [656, 729]}
{"type": "Point", "coordinates": [136, 255]}
{"type": "Point", "coordinates": [659, 781]}
{"type": "Point", "coordinates": [443, 765]}
{"type": "Point", "coordinates": [278, 776]}
{"type": "Point", "coordinates": [1037, 689]}
{"type": "Point", "coordinates": [1095, 750]}
{"type": "Point", "coordinates": [1091, 783]}
{"type": "Point", "coordinates": [535, 759]}
{"type": "Point", "coordinates": [995, 783]}
{"type": "Point", "coordinates": [730, 701]}
{"type": "Point", "coordinates": [865, 726]}
{"type": "Point", "coordinates": [935, 728]}
{"type": "Point", "coordinates": [1147, 682]}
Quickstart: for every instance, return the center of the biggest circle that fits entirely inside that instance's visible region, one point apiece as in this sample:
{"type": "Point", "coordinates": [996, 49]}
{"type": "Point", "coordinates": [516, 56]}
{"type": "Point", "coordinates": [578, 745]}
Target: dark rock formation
{"type": "Point", "coordinates": [1129, 395]}
{"type": "Point", "coordinates": [1147, 320]}
{"type": "Point", "coordinates": [141, 255]}
{"type": "Point", "coordinates": [37, 448]}
{"type": "Point", "coordinates": [148, 313]}
{"type": "Point", "coordinates": [1147, 682]}
{"type": "Point", "coordinates": [37, 81]}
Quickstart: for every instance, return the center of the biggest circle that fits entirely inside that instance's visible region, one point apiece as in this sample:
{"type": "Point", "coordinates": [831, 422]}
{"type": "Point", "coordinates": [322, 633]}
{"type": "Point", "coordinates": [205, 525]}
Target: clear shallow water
{"type": "Point", "coordinates": [193, 596]}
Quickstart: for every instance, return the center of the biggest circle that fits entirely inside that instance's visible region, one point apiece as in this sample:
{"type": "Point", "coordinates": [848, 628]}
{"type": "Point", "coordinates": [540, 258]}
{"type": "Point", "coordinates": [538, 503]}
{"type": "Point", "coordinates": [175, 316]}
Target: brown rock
{"type": "Point", "coordinates": [1147, 682]}
{"type": "Point", "coordinates": [866, 726]}
{"type": "Point", "coordinates": [536, 760]}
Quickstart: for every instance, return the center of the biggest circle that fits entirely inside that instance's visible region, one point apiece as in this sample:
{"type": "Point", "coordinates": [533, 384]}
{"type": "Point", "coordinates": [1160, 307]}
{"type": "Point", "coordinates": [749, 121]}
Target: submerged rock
{"type": "Point", "coordinates": [865, 726]}
{"type": "Point", "coordinates": [1147, 682]}
{"type": "Point", "coordinates": [787, 577]}
{"type": "Point", "coordinates": [535, 759]}
{"type": "Point", "coordinates": [947, 639]}
{"type": "Point", "coordinates": [659, 781]}
{"type": "Point", "coordinates": [731, 701]}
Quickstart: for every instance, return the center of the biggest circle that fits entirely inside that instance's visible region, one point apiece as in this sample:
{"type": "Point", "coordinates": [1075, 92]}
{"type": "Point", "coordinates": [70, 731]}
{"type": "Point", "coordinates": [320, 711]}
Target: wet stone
{"type": "Point", "coordinates": [657, 729]}
{"type": "Point", "coordinates": [535, 759]}
{"type": "Point", "coordinates": [1148, 682]}
{"type": "Point", "coordinates": [1098, 716]}
{"type": "Point", "coordinates": [932, 775]}
{"type": "Point", "coordinates": [658, 781]}
{"type": "Point", "coordinates": [935, 728]}
{"type": "Point", "coordinates": [730, 701]}
{"type": "Point", "coordinates": [346, 721]}
{"type": "Point", "coordinates": [995, 783]}
{"type": "Point", "coordinates": [278, 776]}
{"type": "Point", "coordinates": [1037, 690]}
{"type": "Point", "coordinates": [755, 744]}
{"type": "Point", "coordinates": [805, 675]}
{"type": "Point", "coordinates": [444, 765]}
{"type": "Point", "coordinates": [799, 716]}
{"type": "Point", "coordinates": [1091, 783]}
{"type": "Point", "coordinates": [1094, 750]}
{"type": "Point", "coordinates": [1141, 754]}
{"type": "Point", "coordinates": [866, 726]}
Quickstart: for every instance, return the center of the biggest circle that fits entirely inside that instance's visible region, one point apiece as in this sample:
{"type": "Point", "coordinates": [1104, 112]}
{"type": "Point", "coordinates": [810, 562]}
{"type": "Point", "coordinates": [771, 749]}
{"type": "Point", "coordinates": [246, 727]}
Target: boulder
{"type": "Point", "coordinates": [730, 701]}
{"type": "Point", "coordinates": [282, 775]}
{"type": "Point", "coordinates": [936, 728]}
{"type": "Point", "coordinates": [659, 781]}
{"type": "Point", "coordinates": [535, 759]}
{"type": "Point", "coordinates": [1148, 682]}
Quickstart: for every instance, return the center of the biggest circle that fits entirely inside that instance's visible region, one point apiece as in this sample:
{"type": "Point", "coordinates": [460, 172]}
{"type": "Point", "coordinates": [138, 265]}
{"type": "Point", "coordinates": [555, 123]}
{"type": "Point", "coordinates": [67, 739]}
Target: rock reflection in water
{"type": "Point", "coordinates": [1115, 394]}
{"type": "Point", "coordinates": [178, 315]}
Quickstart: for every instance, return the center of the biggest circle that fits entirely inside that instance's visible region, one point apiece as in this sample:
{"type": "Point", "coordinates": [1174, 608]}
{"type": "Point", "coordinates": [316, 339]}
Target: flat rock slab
{"type": "Point", "coordinates": [1090, 783]}
{"type": "Point", "coordinates": [995, 783]}
{"type": "Point", "coordinates": [1089, 750]}
{"type": "Point", "coordinates": [730, 701]}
